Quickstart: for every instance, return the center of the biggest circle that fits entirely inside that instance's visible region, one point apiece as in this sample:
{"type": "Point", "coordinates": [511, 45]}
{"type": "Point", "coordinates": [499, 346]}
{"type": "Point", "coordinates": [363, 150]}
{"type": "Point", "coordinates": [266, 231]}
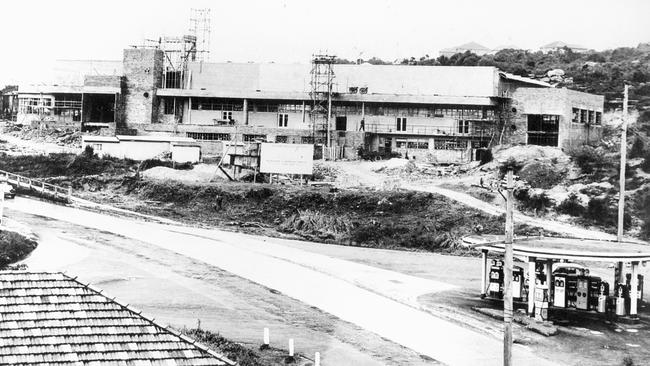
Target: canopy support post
{"type": "Point", "coordinates": [634, 283]}
{"type": "Point", "coordinates": [484, 256]}
{"type": "Point", "coordinates": [531, 286]}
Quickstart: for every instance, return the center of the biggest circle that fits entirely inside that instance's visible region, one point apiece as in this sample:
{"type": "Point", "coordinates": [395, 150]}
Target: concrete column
{"type": "Point", "coordinates": [531, 286]}
{"type": "Point", "coordinates": [633, 292]}
{"type": "Point", "coordinates": [484, 259]}
{"type": "Point", "coordinates": [245, 112]}
{"type": "Point", "coordinates": [189, 111]}
{"type": "Point", "coordinates": [303, 111]}
{"type": "Point", "coordinates": [621, 276]}
{"type": "Point", "coordinates": [549, 276]}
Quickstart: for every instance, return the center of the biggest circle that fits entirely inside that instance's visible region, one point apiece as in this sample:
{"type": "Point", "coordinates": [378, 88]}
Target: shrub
{"type": "Point", "coordinates": [511, 163]}
{"type": "Point", "coordinates": [234, 351]}
{"type": "Point", "coordinates": [638, 149]}
{"type": "Point", "coordinates": [89, 151]}
{"type": "Point", "coordinates": [541, 175]}
{"type": "Point", "coordinates": [14, 247]}
{"type": "Point", "coordinates": [645, 165]}
{"type": "Point", "coordinates": [600, 212]}
{"type": "Point", "coordinates": [571, 206]}
{"type": "Point", "coordinates": [642, 207]}
{"type": "Point", "coordinates": [531, 200]}
{"type": "Point", "coordinates": [587, 158]}
{"type": "Point", "coordinates": [366, 154]}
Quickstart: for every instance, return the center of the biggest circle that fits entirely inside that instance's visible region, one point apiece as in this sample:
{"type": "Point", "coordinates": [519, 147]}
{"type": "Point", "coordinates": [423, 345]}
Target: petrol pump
{"type": "Point", "coordinates": [571, 290]}
{"type": "Point", "coordinates": [517, 283]}
{"type": "Point", "coordinates": [603, 293]}
{"type": "Point", "coordinates": [560, 290]}
{"type": "Point", "coordinates": [593, 292]}
{"type": "Point", "coordinates": [541, 302]}
{"type": "Point", "coordinates": [622, 294]}
{"type": "Point", "coordinates": [639, 287]}
{"type": "Point", "coordinates": [495, 288]}
{"type": "Point", "coordinates": [582, 293]}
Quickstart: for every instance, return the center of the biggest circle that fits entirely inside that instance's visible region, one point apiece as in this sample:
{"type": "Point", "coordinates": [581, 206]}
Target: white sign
{"type": "Point", "coordinates": [287, 158]}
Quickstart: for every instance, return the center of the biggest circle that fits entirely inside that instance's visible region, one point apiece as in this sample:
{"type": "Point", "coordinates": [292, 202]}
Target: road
{"type": "Point", "coordinates": [377, 300]}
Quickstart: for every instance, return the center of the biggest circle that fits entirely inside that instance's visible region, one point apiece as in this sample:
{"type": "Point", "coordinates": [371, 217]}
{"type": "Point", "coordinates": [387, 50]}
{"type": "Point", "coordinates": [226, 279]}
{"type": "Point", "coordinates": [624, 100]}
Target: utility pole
{"type": "Point", "coordinates": [621, 189]}
{"type": "Point", "coordinates": [2, 202]}
{"type": "Point", "coordinates": [507, 274]}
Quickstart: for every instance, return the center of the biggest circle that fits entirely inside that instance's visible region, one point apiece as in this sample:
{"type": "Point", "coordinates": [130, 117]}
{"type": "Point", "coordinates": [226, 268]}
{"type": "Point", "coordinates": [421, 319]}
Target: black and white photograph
{"type": "Point", "coordinates": [325, 183]}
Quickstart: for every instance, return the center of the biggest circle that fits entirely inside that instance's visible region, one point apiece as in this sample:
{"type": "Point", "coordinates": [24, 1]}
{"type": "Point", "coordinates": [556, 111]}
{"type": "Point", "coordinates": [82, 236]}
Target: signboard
{"type": "Point", "coordinates": [287, 158]}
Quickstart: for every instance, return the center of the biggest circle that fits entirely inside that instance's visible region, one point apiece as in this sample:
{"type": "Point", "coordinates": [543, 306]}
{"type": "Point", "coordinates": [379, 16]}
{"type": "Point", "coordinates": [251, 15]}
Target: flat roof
{"type": "Point", "coordinates": [154, 138]}
{"type": "Point", "coordinates": [565, 248]}
{"type": "Point", "coordinates": [99, 139]}
{"type": "Point", "coordinates": [68, 89]}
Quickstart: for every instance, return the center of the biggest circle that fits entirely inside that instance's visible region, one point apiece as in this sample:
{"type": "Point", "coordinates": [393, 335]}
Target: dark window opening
{"type": "Point", "coordinates": [401, 123]}
{"type": "Point", "coordinates": [253, 138]}
{"type": "Point", "coordinates": [208, 136]}
{"type": "Point", "coordinates": [169, 106]}
{"type": "Point", "coordinates": [463, 127]}
{"type": "Point", "coordinates": [283, 120]}
{"type": "Point", "coordinates": [543, 129]}
{"type": "Point", "coordinates": [341, 123]}
{"type": "Point", "coordinates": [99, 108]}
{"type": "Point", "coordinates": [281, 139]}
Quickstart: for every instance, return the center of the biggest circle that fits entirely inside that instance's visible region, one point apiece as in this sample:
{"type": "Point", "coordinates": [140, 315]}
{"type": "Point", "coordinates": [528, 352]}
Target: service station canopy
{"type": "Point", "coordinates": [571, 249]}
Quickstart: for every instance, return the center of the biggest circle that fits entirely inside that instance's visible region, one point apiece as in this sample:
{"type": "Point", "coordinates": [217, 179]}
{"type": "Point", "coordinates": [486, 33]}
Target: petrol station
{"type": "Point", "coordinates": [562, 279]}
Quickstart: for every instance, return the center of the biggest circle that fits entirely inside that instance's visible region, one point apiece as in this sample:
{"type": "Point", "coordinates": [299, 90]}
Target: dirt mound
{"type": "Point", "coordinates": [62, 136]}
{"type": "Point", "coordinates": [526, 153]}
{"type": "Point", "coordinates": [201, 173]}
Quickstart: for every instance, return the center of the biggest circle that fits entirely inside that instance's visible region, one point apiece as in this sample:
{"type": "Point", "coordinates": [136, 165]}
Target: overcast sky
{"type": "Point", "coordinates": [37, 32]}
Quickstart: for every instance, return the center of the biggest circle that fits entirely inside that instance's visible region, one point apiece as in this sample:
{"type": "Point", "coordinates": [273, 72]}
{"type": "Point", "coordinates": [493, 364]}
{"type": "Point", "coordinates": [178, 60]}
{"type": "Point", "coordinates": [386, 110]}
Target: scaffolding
{"type": "Point", "coordinates": [200, 29]}
{"type": "Point", "coordinates": [178, 52]}
{"type": "Point", "coordinates": [322, 80]}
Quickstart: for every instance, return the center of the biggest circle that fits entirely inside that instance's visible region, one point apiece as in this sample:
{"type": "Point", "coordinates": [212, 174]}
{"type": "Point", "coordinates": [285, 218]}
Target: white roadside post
{"type": "Point", "coordinates": [317, 359]}
{"type": "Point", "coordinates": [291, 348]}
{"type": "Point", "coordinates": [267, 339]}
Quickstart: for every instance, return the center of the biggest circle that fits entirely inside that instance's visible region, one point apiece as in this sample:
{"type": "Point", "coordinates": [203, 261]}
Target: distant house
{"type": "Point", "coordinates": [52, 319]}
{"type": "Point", "coordinates": [560, 46]}
{"type": "Point", "coordinates": [472, 47]}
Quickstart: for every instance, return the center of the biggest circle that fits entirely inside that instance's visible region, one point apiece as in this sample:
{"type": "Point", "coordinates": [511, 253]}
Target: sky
{"type": "Point", "coordinates": [38, 32]}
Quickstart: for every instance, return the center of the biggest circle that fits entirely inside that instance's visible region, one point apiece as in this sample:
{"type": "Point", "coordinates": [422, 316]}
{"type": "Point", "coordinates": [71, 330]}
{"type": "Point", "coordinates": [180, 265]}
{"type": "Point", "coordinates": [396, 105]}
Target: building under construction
{"type": "Point", "coordinates": [443, 114]}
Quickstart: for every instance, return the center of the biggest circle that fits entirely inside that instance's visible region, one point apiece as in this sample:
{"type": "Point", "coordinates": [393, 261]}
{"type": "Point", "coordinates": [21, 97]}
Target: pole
{"type": "Point", "coordinates": [621, 189]}
{"type": "Point", "coordinates": [2, 203]}
{"type": "Point", "coordinates": [507, 275]}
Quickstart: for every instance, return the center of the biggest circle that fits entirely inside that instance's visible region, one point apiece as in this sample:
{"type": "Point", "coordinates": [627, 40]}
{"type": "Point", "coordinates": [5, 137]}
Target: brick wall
{"type": "Point", "coordinates": [142, 77]}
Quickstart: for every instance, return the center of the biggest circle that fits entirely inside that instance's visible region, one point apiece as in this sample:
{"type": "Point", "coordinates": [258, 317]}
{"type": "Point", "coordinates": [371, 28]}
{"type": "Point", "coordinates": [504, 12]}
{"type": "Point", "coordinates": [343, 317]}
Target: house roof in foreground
{"type": "Point", "coordinates": [53, 319]}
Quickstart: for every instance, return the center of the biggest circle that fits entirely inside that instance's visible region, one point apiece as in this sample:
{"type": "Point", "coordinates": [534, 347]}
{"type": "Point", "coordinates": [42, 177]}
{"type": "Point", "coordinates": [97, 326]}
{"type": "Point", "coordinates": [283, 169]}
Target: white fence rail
{"type": "Point", "coordinates": [45, 189]}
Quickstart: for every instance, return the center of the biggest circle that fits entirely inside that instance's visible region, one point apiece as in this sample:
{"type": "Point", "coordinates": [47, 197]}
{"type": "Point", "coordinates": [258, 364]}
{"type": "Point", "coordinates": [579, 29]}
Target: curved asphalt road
{"type": "Point", "coordinates": [342, 288]}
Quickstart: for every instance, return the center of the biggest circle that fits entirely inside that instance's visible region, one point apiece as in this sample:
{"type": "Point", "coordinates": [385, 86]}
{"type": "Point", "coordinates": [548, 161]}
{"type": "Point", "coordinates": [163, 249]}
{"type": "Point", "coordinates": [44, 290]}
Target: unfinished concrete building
{"type": "Point", "coordinates": [443, 114]}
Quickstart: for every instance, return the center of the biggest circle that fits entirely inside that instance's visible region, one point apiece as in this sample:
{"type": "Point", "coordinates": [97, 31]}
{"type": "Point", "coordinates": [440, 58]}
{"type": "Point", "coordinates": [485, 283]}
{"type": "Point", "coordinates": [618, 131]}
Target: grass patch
{"type": "Point", "coordinates": [382, 219]}
{"type": "Point", "coordinates": [54, 165]}
{"type": "Point", "coordinates": [239, 353]}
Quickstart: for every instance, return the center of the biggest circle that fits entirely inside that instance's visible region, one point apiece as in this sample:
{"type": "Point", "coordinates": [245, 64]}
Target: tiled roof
{"type": "Point", "coordinates": [53, 319]}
